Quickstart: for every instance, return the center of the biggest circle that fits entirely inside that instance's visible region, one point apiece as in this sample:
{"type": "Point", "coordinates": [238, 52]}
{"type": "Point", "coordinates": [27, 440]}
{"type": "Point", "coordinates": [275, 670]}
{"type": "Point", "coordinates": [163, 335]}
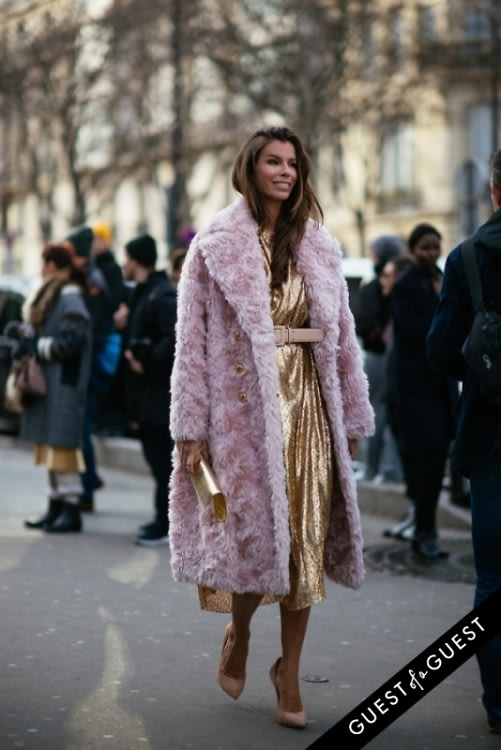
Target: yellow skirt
{"type": "Point", "coordinates": [59, 459]}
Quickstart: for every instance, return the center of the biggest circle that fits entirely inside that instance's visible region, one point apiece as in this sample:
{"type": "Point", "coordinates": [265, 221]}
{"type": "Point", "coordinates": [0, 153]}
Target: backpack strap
{"type": "Point", "coordinates": [471, 271]}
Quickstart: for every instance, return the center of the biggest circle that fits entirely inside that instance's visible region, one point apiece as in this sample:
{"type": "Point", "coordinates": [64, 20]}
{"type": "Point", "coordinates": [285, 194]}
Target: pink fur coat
{"type": "Point", "coordinates": [224, 390]}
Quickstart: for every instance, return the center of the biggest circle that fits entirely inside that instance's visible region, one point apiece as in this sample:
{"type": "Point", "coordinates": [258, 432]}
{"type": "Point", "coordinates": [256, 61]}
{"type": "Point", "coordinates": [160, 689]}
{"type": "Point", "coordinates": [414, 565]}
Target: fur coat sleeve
{"type": "Point", "coordinates": [224, 390]}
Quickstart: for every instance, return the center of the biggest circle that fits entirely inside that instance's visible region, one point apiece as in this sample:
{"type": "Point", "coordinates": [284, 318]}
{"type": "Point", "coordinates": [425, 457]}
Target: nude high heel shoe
{"type": "Point", "coordinates": [231, 685]}
{"type": "Point", "coordinates": [292, 719]}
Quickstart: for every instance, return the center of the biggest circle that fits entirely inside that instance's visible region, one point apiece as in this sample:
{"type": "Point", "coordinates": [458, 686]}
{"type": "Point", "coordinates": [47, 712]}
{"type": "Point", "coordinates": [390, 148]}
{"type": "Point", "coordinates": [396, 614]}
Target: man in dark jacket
{"type": "Point", "coordinates": [477, 450]}
{"type": "Point", "coordinates": [104, 260]}
{"type": "Point", "coordinates": [149, 350]}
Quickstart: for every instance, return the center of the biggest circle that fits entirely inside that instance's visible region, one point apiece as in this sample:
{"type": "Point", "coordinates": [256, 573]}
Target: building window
{"type": "Point", "coordinates": [397, 168]}
{"type": "Point", "coordinates": [368, 46]}
{"type": "Point", "coordinates": [397, 36]}
{"type": "Point", "coordinates": [480, 136]}
{"type": "Point", "coordinates": [427, 24]}
{"type": "Point", "coordinates": [476, 23]}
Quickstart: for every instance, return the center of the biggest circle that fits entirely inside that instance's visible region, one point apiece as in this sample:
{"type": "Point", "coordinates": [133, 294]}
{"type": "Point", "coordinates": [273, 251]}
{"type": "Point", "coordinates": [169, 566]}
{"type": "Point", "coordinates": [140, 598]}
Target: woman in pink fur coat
{"type": "Point", "coordinates": [276, 411]}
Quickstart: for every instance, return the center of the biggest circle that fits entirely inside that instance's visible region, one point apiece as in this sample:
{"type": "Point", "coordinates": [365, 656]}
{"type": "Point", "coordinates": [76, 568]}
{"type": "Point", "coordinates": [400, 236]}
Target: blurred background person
{"type": "Point", "coordinates": [424, 400]}
{"type": "Point", "coordinates": [148, 323]}
{"type": "Point", "coordinates": [99, 305]}
{"type": "Point", "coordinates": [104, 259]}
{"type": "Point", "coordinates": [392, 271]}
{"type": "Point", "coordinates": [372, 316]}
{"type": "Point", "coordinates": [60, 333]}
{"type": "Point", "coordinates": [176, 261]}
{"type": "Point", "coordinates": [477, 450]}
{"type": "Point", "coordinates": [109, 396]}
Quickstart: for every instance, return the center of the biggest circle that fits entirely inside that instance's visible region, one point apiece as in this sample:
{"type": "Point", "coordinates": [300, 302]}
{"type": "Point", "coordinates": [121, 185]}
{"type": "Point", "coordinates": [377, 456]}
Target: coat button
{"type": "Point", "coordinates": [243, 397]}
{"type": "Point", "coordinates": [239, 369]}
{"type": "Point", "coordinates": [238, 336]}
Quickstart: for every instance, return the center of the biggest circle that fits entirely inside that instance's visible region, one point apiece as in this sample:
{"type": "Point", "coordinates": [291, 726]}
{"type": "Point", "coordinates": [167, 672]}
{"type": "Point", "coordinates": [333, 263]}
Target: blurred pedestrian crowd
{"type": "Point", "coordinates": [103, 337]}
{"type": "Point", "coordinates": [131, 326]}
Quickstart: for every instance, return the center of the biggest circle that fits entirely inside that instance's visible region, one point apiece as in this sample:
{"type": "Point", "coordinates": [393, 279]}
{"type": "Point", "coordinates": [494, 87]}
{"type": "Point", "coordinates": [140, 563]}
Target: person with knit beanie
{"type": "Point", "coordinates": [104, 259]}
{"type": "Point", "coordinates": [108, 412]}
{"type": "Point", "coordinates": [80, 238]}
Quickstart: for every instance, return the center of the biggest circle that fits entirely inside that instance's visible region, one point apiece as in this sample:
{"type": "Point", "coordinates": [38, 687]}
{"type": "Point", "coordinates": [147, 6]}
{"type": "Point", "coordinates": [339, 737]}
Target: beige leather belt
{"type": "Point", "coordinates": [285, 335]}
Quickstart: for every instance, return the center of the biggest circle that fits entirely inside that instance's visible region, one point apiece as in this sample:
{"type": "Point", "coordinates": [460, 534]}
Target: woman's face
{"type": "Point", "coordinates": [276, 171]}
{"type": "Point", "coordinates": [426, 251]}
{"type": "Point", "coordinates": [49, 268]}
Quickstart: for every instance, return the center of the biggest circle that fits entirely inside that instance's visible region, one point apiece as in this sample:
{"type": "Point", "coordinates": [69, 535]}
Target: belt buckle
{"type": "Point", "coordinates": [282, 335]}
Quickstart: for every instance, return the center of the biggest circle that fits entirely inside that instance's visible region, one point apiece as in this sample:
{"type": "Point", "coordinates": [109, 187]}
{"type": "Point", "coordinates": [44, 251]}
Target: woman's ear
{"type": "Point", "coordinates": [495, 195]}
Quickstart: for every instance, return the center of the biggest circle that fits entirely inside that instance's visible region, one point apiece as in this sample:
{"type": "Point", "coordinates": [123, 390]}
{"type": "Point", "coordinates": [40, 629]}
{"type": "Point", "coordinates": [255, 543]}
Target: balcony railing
{"type": "Point", "coordinates": [453, 54]}
{"type": "Point", "coordinates": [398, 199]}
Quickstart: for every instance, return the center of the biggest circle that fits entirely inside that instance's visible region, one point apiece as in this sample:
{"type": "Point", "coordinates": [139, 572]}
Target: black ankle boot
{"type": "Point", "coordinates": [69, 520]}
{"type": "Point", "coordinates": [425, 545]}
{"type": "Point", "coordinates": [52, 513]}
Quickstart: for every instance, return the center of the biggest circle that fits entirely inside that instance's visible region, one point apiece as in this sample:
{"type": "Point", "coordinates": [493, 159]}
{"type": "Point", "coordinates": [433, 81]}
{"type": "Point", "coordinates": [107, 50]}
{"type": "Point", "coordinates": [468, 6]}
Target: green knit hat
{"type": "Point", "coordinates": [81, 239]}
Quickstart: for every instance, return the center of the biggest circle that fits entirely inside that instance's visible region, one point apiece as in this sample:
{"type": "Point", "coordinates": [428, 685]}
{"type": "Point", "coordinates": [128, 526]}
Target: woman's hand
{"type": "Point", "coordinates": [191, 453]}
{"type": "Point", "coordinates": [352, 448]}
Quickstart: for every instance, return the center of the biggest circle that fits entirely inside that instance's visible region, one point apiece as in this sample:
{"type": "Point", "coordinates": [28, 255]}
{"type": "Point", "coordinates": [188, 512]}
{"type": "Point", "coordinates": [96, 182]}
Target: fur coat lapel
{"type": "Point", "coordinates": [234, 259]}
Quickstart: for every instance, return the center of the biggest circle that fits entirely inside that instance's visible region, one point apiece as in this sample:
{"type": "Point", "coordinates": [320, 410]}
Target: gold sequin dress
{"type": "Point", "coordinates": [307, 444]}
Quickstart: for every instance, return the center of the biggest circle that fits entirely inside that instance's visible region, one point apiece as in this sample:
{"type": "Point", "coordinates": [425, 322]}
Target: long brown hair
{"type": "Point", "coordinates": [38, 306]}
{"type": "Point", "coordinates": [301, 205]}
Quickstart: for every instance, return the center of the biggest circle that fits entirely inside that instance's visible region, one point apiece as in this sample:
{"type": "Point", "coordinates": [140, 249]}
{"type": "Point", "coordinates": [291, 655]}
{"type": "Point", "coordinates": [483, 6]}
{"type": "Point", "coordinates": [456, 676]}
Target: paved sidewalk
{"type": "Point", "coordinates": [102, 649]}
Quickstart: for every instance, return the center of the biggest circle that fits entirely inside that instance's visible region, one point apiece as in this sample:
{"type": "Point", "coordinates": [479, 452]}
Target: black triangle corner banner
{"type": "Point", "coordinates": [416, 679]}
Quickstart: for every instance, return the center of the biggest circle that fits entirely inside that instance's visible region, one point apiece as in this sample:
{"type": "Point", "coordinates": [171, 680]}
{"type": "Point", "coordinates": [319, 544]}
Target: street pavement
{"type": "Point", "coordinates": [101, 649]}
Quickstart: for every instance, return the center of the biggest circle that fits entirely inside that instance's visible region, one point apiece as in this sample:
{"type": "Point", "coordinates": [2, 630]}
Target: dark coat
{"type": "Point", "coordinates": [478, 443]}
{"type": "Point", "coordinates": [112, 273]}
{"type": "Point", "coordinates": [152, 318]}
{"type": "Point", "coordinates": [424, 399]}
{"type": "Point", "coordinates": [372, 315]}
{"type": "Point", "coordinates": [99, 305]}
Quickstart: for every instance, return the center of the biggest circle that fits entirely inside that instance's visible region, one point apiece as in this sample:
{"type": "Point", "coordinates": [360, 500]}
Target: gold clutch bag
{"type": "Point", "coordinates": [208, 490]}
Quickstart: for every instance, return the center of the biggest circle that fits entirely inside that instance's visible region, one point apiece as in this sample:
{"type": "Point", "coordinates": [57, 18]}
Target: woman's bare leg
{"type": "Point", "coordinates": [294, 624]}
{"type": "Point", "coordinates": [234, 658]}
